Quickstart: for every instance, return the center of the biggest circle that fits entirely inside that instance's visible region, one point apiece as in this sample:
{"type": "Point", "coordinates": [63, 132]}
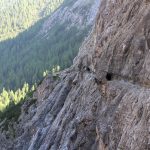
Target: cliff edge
{"type": "Point", "coordinates": [103, 101]}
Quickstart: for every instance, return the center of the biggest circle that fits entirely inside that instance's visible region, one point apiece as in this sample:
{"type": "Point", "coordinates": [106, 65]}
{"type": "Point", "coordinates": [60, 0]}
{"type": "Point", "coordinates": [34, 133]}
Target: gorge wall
{"type": "Point", "coordinates": [103, 101]}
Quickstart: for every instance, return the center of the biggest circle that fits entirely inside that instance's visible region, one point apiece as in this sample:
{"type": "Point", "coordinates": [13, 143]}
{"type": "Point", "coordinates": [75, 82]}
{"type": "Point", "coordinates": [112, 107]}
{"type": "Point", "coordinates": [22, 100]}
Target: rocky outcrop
{"type": "Point", "coordinates": [103, 101]}
{"type": "Point", "coordinates": [78, 13]}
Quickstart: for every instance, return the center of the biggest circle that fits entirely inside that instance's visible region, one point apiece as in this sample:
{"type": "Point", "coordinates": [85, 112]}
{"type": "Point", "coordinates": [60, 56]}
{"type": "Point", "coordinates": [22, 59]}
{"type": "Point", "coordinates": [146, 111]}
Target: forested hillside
{"type": "Point", "coordinates": [18, 15]}
{"type": "Point", "coordinates": [38, 39]}
{"type": "Point", "coordinates": [20, 22]}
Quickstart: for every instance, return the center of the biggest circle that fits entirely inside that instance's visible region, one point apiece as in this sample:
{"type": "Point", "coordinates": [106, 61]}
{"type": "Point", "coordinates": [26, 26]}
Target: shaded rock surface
{"type": "Point", "coordinates": [103, 101]}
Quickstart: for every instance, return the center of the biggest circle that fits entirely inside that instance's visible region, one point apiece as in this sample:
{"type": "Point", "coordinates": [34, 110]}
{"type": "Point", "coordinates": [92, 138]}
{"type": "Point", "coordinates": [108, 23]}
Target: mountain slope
{"type": "Point", "coordinates": [101, 102]}
{"type": "Point", "coordinates": [45, 45]}
{"type": "Point", "coordinates": [16, 16]}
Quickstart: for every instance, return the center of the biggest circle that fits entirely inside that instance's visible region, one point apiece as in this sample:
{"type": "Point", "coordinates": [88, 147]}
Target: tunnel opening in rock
{"type": "Point", "coordinates": [88, 69]}
{"type": "Point", "coordinates": [109, 76]}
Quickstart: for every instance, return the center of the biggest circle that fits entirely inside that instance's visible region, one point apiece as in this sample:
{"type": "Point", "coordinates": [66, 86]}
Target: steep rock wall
{"type": "Point", "coordinates": [103, 101]}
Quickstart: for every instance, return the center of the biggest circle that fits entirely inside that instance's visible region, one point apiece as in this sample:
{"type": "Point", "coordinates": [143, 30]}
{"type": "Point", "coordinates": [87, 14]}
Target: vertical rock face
{"type": "Point", "coordinates": [103, 101]}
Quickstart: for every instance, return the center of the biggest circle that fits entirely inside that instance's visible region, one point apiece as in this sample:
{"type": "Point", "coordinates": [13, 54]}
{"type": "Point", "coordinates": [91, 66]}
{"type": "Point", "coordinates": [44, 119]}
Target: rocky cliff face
{"type": "Point", "coordinates": [79, 13]}
{"type": "Point", "coordinates": [103, 101]}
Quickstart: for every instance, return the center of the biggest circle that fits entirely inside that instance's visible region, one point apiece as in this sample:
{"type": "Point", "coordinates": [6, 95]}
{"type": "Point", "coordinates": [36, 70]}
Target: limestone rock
{"type": "Point", "coordinates": [103, 101]}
